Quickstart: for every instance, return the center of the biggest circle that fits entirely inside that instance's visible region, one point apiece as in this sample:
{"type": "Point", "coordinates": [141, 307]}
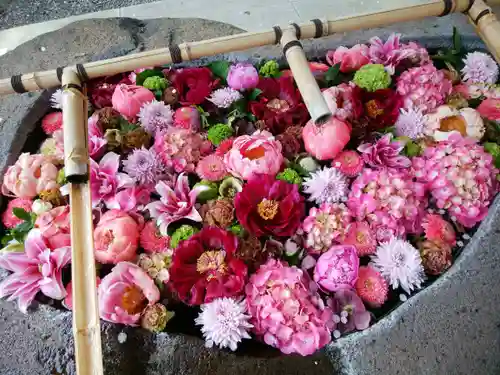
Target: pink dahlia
{"type": "Point", "coordinates": [385, 153]}
{"type": "Point", "coordinates": [151, 239]}
{"type": "Point", "coordinates": [211, 168]}
{"type": "Point", "coordinates": [125, 293]}
{"type": "Point", "coordinates": [285, 312]}
{"type": "Point", "coordinates": [389, 53]}
{"type": "Point", "coordinates": [37, 269]}
{"type": "Point", "coordinates": [10, 220]}
{"type": "Point", "coordinates": [325, 226]}
{"type": "Point", "coordinates": [174, 204]}
{"type": "Point", "coordinates": [337, 268]}
{"type": "Point", "coordinates": [155, 116]}
{"type": "Point", "coordinates": [423, 87]}
{"type": "Point", "coordinates": [187, 118]}
{"type": "Point", "coordinates": [460, 176]}
{"type": "Point", "coordinates": [350, 59]}
{"type": "Point", "coordinates": [258, 153]}
{"type": "Point", "coordinates": [371, 287]}
{"type": "Point", "coordinates": [437, 229]}
{"type": "Point", "coordinates": [342, 102]}
{"type": "Point", "coordinates": [490, 109]}
{"type": "Point", "coordinates": [144, 166]}
{"type": "Point", "coordinates": [362, 237]}
{"type": "Point", "coordinates": [349, 162]}
{"type": "Point", "coordinates": [52, 122]}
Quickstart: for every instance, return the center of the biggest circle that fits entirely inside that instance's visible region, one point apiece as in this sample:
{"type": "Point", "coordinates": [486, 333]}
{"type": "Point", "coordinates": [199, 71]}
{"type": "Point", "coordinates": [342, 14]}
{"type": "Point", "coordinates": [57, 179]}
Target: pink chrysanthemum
{"type": "Point", "coordinates": [371, 287]}
{"type": "Point", "coordinates": [327, 185]}
{"type": "Point", "coordinates": [156, 116]}
{"type": "Point", "coordinates": [223, 98]}
{"type": "Point", "coordinates": [52, 122]}
{"type": "Point", "coordinates": [423, 87]}
{"type": "Point", "coordinates": [479, 68]}
{"type": "Point", "coordinates": [224, 147]}
{"type": "Point", "coordinates": [10, 220]}
{"type": "Point", "coordinates": [349, 163]}
{"type": "Point", "coordinates": [410, 123]}
{"type": "Point", "coordinates": [211, 168]}
{"type": "Point", "coordinates": [362, 237]}
{"type": "Point", "coordinates": [325, 225]}
{"type": "Point", "coordinates": [461, 178]}
{"type": "Point", "coordinates": [437, 229]}
{"type": "Point", "coordinates": [144, 166]}
{"type": "Point", "coordinates": [151, 239]}
{"type": "Point", "coordinates": [285, 312]}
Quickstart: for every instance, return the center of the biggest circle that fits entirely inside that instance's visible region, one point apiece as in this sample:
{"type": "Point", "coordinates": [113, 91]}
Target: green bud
{"type": "Point", "coordinates": [182, 233]}
{"type": "Point", "coordinates": [219, 132]}
{"type": "Point", "coordinates": [61, 177]}
{"type": "Point", "coordinates": [289, 175]}
{"type": "Point", "coordinates": [372, 77]}
{"type": "Point", "coordinates": [229, 187]}
{"type": "Point", "coordinates": [211, 191]}
{"type": "Point", "coordinates": [237, 229]}
{"type": "Point", "coordinates": [309, 164]}
{"type": "Point", "coordinates": [155, 83]}
{"type": "Point", "coordinates": [270, 69]}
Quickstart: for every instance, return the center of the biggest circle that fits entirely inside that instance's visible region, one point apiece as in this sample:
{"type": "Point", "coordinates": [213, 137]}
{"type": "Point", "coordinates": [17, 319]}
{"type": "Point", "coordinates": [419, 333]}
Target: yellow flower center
{"type": "Point", "coordinates": [451, 123]}
{"type": "Point", "coordinates": [133, 300]}
{"type": "Point", "coordinates": [212, 263]}
{"type": "Point", "coordinates": [267, 209]}
{"type": "Point", "coordinates": [360, 237]}
{"type": "Point", "coordinates": [373, 109]}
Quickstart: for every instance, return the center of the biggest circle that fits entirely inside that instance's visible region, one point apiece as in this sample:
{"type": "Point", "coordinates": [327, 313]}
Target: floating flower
{"type": "Point", "coordinates": [211, 168]}
{"type": "Point", "coordinates": [479, 67]}
{"type": "Point", "coordinates": [174, 204]}
{"type": "Point", "coordinates": [385, 153]}
{"type": "Point", "coordinates": [194, 85]}
{"type": "Point", "coordinates": [446, 120]}
{"type": "Point", "coordinates": [342, 102]}
{"type": "Point", "coordinates": [125, 293]}
{"type": "Point", "coordinates": [350, 59]}
{"type": "Point", "coordinates": [349, 312]}
{"type": "Point", "coordinates": [56, 99]}
{"type": "Point", "coordinates": [155, 83]}
{"type": "Point", "coordinates": [400, 264]}
{"type": "Point", "coordinates": [128, 99]}
{"type": "Point", "coordinates": [267, 206]}
{"type": "Point", "coordinates": [204, 267]}
{"type": "Point", "coordinates": [37, 269]}
{"type": "Point", "coordinates": [337, 268]}
{"type": "Point", "coordinates": [9, 219]}
{"type": "Point", "coordinates": [52, 122]}
{"type": "Point", "coordinates": [229, 187]}
{"type": "Point", "coordinates": [151, 239]}
{"type": "Point", "coordinates": [362, 237]}
{"type": "Point", "coordinates": [327, 185]}
{"type": "Point", "coordinates": [490, 109]}
{"type": "Point", "coordinates": [54, 225]}
{"type": "Point", "coordinates": [131, 199]}
{"type": "Point", "coordinates": [187, 118]}
{"type": "Point", "coordinates": [258, 153]}
{"type": "Point", "coordinates": [39, 207]}
{"type": "Point", "coordinates": [218, 213]}
{"type": "Point", "coordinates": [436, 256]}
{"type": "Point", "coordinates": [155, 318]}
{"type": "Point", "coordinates": [242, 77]}
{"type": "Point", "coordinates": [223, 98]}
{"type": "Point", "coordinates": [144, 166]}
{"type": "Point", "coordinates": [224, 322]}
{"type": "Point", "coordinates": [289, 175]}
{"type": "Point", "coordinates": [410, 123]}
{"type": "Point", "coordinates": [155, 116]}
{"type": "Point", "coordinates": [285, 312]}
{"type": "Point", "coordinates": [371, 287]}
{"type": "Point", "coordinates": [348, 162]}
{"type": "Point", "coordinates": [438, 230]}
{"type": "Point", "coordinates": [389, 53]}
{"type": "Point", "coordinates": [270, 68]}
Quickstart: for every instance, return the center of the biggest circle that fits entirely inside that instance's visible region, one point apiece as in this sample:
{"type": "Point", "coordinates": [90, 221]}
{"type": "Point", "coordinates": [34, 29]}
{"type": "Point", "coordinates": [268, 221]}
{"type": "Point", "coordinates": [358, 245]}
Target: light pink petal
{"type": "Point", "coordinates": [193, 215]}
{"type": "Point", "coordinates": [25, 299]}
{"type": "Point", "coordinates": [124, 180]}
{"type": "Point", "coordinates": [35, 243]}
{"type": "Point", "coordinates": [197, 190]}
{"type": "Point", "coordinates": [61, 256]}
{"type": "Point", "coordinates": [110, 163]}
{"type": "Point", "coordinates": [16, 262]}
{"type": "Point", "coordinates": [53, 287]}
{"type": "Point", "coordinates": [163, 189]}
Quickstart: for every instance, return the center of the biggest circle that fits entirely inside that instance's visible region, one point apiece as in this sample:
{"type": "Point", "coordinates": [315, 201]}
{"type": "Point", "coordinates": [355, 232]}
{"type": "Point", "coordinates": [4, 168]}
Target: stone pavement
{"type": "Point", "coordinates": [451, 328]}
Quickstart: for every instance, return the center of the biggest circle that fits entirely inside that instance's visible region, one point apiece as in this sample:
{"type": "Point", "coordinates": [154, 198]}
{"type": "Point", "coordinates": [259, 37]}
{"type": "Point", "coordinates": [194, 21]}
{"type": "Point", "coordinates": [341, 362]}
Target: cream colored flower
{"type": "Point", "coordinates": [446, 120]}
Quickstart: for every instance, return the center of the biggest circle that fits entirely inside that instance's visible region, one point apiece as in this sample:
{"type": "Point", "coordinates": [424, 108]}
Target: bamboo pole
{"type": "Point", "coordinates": [487, 26]}
{"type": "Point", "coordinates": [194, 50]}
{"type": "Point", "coordinates": [86, 326]}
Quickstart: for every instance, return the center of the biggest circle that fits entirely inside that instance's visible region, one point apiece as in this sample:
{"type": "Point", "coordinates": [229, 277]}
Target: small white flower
{"type": "Point", "coordinates": [39, 206]}
{"type": "Point", "coordinates": [56, 99]}
{"type": "Point", "coordinates": [327, 185]}
{"type": "Point", "coordinates": [122, 337]}
{"type": "Point", "coordinates": [223, 98]}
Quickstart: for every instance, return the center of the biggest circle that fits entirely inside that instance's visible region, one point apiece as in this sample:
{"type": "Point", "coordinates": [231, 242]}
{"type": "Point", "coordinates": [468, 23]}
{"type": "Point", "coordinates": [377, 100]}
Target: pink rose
{"type": "Point", "coordinates": [128, 99]}
{"type": "Point", "coordinates": [337, 268]}
{"type": "Point", "coordinates": [30, 175]}
{"type": "Point", "coordinates": [490, 109]}
{"type": "Point", "coordinates": [242, 77]}
{"type": "Point", "coordinates": [55, 226]}
{"type": "Point", "coordinates": [326, 141]}
{"type": "Point", "coordinates": [116, 238]}
{"type": "Point", "coordinates": [258, 153]}
{"type": "Point", "coordinates": [350, 59]}
{"type": "Point", "coordinates": [125, 293]}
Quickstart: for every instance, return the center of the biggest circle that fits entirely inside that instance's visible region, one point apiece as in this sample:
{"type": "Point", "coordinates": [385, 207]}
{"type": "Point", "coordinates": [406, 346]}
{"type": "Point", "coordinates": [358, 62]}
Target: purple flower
{"type": "Point", "coordinates": [144, 166]}
{"type": "Point", "coordinates": [349, 312]}
{"type": "Point", "coordinates": [156, 116]}
{"type": "Point", "coordinates": [384, 153]}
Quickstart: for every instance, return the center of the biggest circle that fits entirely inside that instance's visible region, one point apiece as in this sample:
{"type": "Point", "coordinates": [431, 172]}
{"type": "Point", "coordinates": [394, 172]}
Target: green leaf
{"type": "Point", "coordinates": [159, 95]}
{"type": "Point", "coordinates": [254, 94]}
{"type": "Point", "coordinates": [20, 213]}
{"type": "Point", "coordinates": [220, 69]}
{"type": "Point", "coordinates": [457, 41]}
{"type": "Point", "coordinates": [6, 239]}
{"type": "Point", "coordinates": [141, 77]}
{"type": "Point", "coordinates": [332, 74]}
{"type": "Point", "coordinates": [126, 126]}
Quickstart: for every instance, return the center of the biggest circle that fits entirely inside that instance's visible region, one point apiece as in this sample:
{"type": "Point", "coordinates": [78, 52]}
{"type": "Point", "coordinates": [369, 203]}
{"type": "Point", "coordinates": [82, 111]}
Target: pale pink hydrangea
{"type": "Point", "coordinates": [337, 269]}
{"type": "Point", "coordinates": [286, 311]}
{"type": "Point", "coordinates": [461, 178]}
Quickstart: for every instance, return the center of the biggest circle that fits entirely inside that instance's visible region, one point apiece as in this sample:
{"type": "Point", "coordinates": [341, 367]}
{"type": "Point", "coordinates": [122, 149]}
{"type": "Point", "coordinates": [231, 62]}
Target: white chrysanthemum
{"type": "Point", "coordinates": [410, 123]}
{"type": "Point", "coordinates": [224, 322]}
{"type": "Point", "coordinates": [223, 98]}
{"type": "Point", "coordinates": [400, 264]}
{"type": "Point", "coordinates": [56, 99]}
{"type": "Point", "coordinates": [327, 185]}
{"type": "Point", "coordinates": [479, 68]}
{"type": "Point", "coordinates": [155, 116]}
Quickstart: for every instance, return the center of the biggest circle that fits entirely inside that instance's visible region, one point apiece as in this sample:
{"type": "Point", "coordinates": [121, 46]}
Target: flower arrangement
{"type": "Point", "coordinates": [212, 190]}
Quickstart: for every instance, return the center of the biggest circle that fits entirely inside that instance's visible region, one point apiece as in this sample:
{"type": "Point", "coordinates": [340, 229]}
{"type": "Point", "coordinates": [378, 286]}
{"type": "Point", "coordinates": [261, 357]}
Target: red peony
{"type": "Point", "coordinates": [193, 84]}
{"type": "Point", "coordinates": [204, 267]}
{"type": "Point", "coordinates": [280, 104]}
{"type": "Point", "coordinates": [381, 107]}
{"type": "Point", "coordinates": [267, 206]}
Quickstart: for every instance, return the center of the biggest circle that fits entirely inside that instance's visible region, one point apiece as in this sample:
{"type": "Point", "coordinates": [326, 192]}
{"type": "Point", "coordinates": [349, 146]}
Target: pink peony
{"type": "Point", "coordinates": [362, 237]}
{"type": "Point", "coordinates": [128, 99]}
{"type": "Point", "coordinates": [423, 87]}
{"type": "Point", "coordinates": [326, 141]}
{"type": "Point", "coordinates": [337, 268]}
{"type": "Point", "coordinates": [105, 179]}
{"type": "Point", "coordinates": [52, 122]}
{"type": "Point", "coordinates": [211, 168]}
{"type": "Point", "coordinates": [348, 162]}
{"type": "Point", "coordinates": [151, 239]}
{"type": "Point", "coordinates": [37, 269]}
{"type": "Point", "coordinates": [242, 77]}
{"type": "Point", "coordinates": [490, 109]}
{"type": "Point", "coordinates": [350, 59]}
{"type": "Point", "coordinates": [371, 287]}
{"type": "Point", "coordinates": [30, 175]}
{"type": "Point", "coordinates": [384, 153]}
{"type": "Point", "coordinates": [258, 153]}
{"type": "Point", "coordinates": [97, 142]}
{"type": "Point", "coordinates": [116, 238]}
{"type": "Point", "coordinates": [342, 102]}
{"type": "Point", "coordinates": [55, 226]}
{"type": "Point", "coordinates": [285, 311]}
{"type": "Point", "coordinates": [10, 220]}
{"type": "Point", "coordinates": [437, 229]}
{"type": "Point", "coordinates": [124, 294]}
{"type": "Point", "coordinates": [187, 118]}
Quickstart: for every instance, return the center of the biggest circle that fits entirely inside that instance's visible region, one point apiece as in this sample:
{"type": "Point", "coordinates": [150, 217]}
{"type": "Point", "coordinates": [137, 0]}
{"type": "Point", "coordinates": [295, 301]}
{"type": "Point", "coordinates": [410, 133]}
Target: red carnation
{"type": "Point", "coordinates": [280, 104]}
{"type": "Point", "coordinates": [193, 84]}
{"type": "Point", "coordinates": [204, 267]}
{"type": "Point", "coordinates": [267, 206]}
{"type": "Point", "coordinates": [381, 107]}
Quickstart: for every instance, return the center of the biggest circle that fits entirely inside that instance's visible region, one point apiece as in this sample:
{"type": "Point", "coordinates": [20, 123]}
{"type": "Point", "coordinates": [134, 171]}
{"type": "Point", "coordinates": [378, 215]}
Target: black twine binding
{"type": "Point", "coordinates": [278, 34]}
{"type": "Point", "coordinates": [471, 3]}
{"type": "Point", "coordinates": [481, 15]}
{"type": "Point", "coordinates": [59, 72]}
{"type": "Point", "coordinates": [448, 5]}
{"type": "Point", "coordinates": [297, 30]}
{"type": "Point", "coordinates": [175, 53]}
{"type": "Point", "coordinates": [290, 44]}
{"type": "Point", "coordinates": [82, 73]}
{"type": "Point", "coordinates": [72, 86]}
{"type": "Point", "coordinates": [17, 84]}
{"type": "Point", "coordinates": [319, 28]}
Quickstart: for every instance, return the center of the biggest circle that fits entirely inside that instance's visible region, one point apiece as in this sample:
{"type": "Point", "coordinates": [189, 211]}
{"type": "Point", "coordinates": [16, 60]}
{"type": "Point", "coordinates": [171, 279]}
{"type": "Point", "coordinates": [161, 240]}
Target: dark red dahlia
{"type": "Point", "coordinates": [381, 107]}
{"type": "Point", "coordinates": [193, 84]}
{"type": "Point", "coordinates": [279, 105]}
{"type": "Point", "coordinates": [204, 267]}
{"type": "Point", "coordinates": [267, 206]}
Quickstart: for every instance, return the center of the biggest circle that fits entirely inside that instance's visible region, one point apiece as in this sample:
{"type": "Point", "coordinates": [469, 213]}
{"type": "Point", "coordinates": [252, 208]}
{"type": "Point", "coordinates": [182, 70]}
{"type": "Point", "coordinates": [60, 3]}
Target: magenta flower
{"type": "Point", "coordinates": [38, 269]}
{"type": "Point", "coordinates": [390, 53]}
{"type": "Point", "coordinates": [384, 153]}
{"type": "Point", "coordinates": [175, 204]}
{"type": "Point", "coordinates": [337, 268]}
{"type": "Point", "coordinates": [131, 199]}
